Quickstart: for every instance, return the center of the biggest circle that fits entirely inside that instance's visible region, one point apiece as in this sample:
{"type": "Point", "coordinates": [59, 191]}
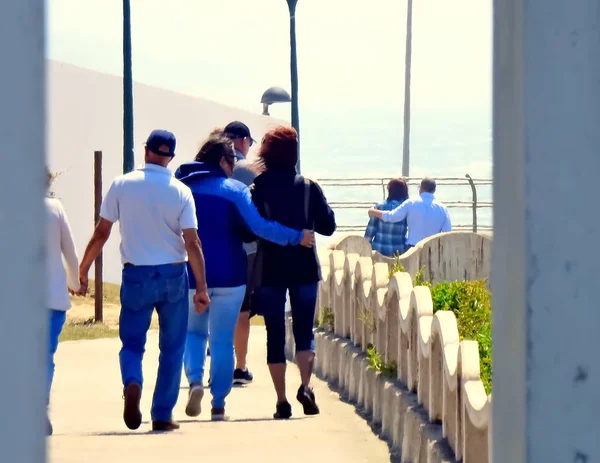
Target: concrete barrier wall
{"type": "Point", "coordinates": [436, 409]}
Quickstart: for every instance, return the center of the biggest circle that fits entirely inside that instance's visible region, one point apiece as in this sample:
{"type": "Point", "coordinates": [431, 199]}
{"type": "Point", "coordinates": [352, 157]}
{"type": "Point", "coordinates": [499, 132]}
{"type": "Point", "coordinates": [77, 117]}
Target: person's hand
{"type": "Point", "coordinates": [201, 300]}
{"type": "Point", "coordinates": [308, 239]}
{"type": "Point", "coordinates": [83, 285]}
{"type": "Point", "coordinates": [373, 212]}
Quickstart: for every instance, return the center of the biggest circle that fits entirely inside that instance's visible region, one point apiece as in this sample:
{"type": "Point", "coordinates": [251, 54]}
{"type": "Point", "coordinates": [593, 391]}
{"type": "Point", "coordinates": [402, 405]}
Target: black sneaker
{"type": "Point", "coordinates": [306, 397]}
{"type": "Point", "coordinates": [283, 411]}
{"type": "Point", "coordinates": [49, 429]}
{"type": "Point", "coordinates": [242, 376]}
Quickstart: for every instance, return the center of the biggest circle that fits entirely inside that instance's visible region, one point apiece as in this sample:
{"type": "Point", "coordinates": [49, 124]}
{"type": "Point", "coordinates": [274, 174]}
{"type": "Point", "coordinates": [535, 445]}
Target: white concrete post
{"type": "Point", "coordinates": [545, 276]}
{"type": "Point", "coordinates": [22, 233]}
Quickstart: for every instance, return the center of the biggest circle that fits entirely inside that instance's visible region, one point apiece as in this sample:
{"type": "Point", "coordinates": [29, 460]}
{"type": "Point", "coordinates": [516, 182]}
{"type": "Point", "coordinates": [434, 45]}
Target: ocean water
{"type": "Point", "coordinates": [368, 144]}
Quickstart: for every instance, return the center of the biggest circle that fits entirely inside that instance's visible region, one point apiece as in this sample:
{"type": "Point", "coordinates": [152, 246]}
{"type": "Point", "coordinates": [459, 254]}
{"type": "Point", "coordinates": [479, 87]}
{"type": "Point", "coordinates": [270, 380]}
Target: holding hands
{"type": "Point", "coordinates": [83, 286]}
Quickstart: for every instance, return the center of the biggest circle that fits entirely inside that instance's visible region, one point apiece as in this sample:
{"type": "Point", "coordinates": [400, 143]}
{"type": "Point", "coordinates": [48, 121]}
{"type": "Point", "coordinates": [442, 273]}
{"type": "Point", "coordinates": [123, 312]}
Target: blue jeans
{"type": "Point", "coordinates": [303, 300]}
{"type": "Point", "coordinates": [218, 323]}
{"type": "Point", "coordinates": [56, 323]}
{"type": "Point", "coordinates": [144, 288]}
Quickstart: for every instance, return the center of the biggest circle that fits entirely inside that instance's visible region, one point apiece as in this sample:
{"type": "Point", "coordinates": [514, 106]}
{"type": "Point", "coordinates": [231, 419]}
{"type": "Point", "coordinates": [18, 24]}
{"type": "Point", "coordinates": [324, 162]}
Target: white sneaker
{"type": "Point", "coordinates": [194, 403]}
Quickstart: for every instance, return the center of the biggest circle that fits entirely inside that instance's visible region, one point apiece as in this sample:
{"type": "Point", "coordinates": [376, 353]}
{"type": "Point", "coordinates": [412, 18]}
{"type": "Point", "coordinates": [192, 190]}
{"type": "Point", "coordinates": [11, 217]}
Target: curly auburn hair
{"type": "Point", "coordinates": [279, 149]}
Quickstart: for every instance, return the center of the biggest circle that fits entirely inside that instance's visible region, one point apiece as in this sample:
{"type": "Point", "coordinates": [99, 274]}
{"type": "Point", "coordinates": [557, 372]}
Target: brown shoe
{"type": "Point", "coordinates": [131, 411]}
{"type": "Point", "coordinates": [165, 425]}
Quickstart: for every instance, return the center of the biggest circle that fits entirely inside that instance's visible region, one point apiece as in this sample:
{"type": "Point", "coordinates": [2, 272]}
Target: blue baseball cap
{"type": "Point", "coordinates": [162, 142]}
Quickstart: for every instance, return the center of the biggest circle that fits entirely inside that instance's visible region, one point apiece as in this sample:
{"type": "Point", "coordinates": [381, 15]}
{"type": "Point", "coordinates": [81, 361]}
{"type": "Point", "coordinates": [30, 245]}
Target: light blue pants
{"type": "Point", "coordinates": [145, 288]}
{"type": "Point", "coordinates": [219, 323]}
{"type": "Point", "coordinates": [55, 325]}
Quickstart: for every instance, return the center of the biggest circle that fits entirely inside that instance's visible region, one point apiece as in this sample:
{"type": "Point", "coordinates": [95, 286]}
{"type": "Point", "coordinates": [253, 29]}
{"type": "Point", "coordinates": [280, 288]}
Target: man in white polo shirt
{"type": "Point", "coordinates": [158, 226]}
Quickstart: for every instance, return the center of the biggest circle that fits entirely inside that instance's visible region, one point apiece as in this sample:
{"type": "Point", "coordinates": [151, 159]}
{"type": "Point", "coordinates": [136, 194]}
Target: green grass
{"type": "Point", "coordinates": [86, 330]}
{"type": "Point", "coordinates": [376, 363]}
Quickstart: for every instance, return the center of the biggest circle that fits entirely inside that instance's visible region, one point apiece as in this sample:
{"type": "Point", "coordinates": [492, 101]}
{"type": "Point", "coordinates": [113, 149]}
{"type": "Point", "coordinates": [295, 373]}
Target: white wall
{"type": "Point", "coordinates": [85, 114]}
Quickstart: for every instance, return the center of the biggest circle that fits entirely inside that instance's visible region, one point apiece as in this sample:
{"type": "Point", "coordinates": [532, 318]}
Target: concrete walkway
{"type": "Point", "coordinates": [87, 409]}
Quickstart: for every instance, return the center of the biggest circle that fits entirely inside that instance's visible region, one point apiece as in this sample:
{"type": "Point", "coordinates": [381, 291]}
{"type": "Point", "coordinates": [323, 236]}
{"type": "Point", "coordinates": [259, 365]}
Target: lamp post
{"type": "Point", "coordinates": [127, 90]}
{"type": "Point", "coordinates": [294, 73]}
{"type": "Point", "coordinates": [407, 65]}
{"type": "Point", "coordinates": [274, 95]}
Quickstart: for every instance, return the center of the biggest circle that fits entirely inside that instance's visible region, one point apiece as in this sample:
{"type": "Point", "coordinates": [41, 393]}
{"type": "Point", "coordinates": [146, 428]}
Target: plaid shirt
{"type": "Point", "coordinates": [387, 238]}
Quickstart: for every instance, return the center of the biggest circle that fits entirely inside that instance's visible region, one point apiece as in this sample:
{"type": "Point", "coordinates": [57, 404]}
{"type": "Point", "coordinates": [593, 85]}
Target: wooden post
{"type": "Point", "coordinates": [98, 296]}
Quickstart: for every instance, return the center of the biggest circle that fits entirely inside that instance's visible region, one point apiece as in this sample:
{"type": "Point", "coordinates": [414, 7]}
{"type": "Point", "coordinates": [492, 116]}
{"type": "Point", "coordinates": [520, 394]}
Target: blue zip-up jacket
{"type": "Point", "coordinates": [227, 218]}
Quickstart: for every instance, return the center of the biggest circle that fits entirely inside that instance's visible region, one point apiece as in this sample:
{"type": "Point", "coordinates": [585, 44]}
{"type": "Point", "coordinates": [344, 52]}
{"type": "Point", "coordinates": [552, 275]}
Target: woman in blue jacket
{"type": "Point", "coordinates": [227, 218]}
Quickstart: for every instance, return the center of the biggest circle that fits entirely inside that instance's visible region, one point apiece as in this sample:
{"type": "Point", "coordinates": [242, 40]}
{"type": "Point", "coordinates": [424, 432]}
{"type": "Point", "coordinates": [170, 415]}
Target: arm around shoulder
{"type": "Point", "coordinates": [398, 214]}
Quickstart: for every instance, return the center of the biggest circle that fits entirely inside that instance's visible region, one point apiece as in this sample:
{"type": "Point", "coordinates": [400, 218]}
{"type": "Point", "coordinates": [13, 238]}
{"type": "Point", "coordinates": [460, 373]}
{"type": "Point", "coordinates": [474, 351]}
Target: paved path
{"type": "Point", "coordinates": [87, 408]}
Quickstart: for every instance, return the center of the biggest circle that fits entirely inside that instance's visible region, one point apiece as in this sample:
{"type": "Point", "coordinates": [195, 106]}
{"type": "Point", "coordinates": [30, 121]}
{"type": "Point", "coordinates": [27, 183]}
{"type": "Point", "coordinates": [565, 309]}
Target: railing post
{"type": "Point", "coordinates": [474, 191]}
{"type": "Point", "coordinates": [98, 296]}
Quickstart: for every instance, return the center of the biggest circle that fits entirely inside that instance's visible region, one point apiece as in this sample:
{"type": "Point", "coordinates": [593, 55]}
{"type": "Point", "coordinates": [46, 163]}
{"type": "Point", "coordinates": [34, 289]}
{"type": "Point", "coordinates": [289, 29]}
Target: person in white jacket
{"type": "Point", "coordinates": [60, 281]}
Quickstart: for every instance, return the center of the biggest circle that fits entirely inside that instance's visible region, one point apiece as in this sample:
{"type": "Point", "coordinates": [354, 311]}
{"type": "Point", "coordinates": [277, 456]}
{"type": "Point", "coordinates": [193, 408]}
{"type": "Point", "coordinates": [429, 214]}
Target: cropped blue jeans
{"type": "Point", "coordinates": [303, 300]}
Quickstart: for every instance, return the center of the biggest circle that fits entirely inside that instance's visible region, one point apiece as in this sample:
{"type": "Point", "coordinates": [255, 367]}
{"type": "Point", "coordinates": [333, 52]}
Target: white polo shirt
{"type": "Point", "coordinates": [153, 208]}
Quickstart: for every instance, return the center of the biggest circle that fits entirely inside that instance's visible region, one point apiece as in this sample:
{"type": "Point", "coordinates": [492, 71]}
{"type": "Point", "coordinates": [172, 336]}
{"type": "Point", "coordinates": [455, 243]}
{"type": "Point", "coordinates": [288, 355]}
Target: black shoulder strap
{"type": "Point", "coordinates": [307, 200]}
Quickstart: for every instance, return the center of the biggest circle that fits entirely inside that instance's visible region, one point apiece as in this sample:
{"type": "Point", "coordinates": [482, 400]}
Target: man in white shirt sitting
{"type": "Point", "coordinates": [425, 215]}
{"type": "Point", "coordinates": [158, 226]}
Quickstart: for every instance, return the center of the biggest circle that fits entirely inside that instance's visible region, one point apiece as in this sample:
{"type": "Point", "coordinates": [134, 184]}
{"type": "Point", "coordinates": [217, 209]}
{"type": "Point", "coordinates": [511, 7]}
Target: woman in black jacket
{"type": "Point", "coordinates": [282, 195]}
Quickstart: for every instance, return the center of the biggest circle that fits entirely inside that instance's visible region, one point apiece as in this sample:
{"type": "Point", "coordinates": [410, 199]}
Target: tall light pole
{"type": "Point", "coordinates": [407, 65]}
{"type": "Point", "coordinates": [294, 73]}
{"type": "Point", "coordinates": [127, 90]}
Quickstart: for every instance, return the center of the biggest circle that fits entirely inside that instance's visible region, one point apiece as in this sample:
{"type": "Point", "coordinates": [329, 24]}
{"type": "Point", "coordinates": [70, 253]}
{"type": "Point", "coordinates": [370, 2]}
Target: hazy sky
{"type": "Point", "coordinates": [351, 52]}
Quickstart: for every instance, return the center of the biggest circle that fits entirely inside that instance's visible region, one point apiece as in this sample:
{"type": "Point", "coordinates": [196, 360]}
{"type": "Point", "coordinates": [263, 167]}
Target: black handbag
{"type": "Point", "coordinates": [256, 276]}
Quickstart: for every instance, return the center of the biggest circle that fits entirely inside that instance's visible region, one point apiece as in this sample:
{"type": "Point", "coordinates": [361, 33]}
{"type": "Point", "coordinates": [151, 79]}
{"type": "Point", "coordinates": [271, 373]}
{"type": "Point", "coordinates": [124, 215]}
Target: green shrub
{"type": "Point", "coordinates": [471, 302]}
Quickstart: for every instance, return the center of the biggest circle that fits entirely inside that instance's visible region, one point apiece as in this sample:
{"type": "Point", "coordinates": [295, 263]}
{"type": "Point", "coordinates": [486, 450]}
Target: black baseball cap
{"type": "Point", "coordinates": [237, 129]}
{"type": "Point", "coordinates": [158, 140]}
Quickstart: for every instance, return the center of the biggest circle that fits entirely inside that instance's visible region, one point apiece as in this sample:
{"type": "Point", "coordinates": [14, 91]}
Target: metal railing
{"type": "Point", "coordinates": [467, 180]}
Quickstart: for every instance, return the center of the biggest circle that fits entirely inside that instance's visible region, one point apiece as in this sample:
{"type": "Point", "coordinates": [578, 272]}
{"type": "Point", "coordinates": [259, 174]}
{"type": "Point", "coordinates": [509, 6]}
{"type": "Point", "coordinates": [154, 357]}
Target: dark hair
{"type": "Point", "coordinates": [428, 185]}
{"type": "Point", "coordinates": [279, 149]}
{"type": "Point", "coordinates": [397, 189]}
{"type": "Point", "coordinates": [214, 148]}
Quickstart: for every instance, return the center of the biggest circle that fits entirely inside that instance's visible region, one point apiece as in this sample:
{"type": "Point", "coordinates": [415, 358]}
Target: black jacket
{"type": "Point", "coordinates": [284, 193]}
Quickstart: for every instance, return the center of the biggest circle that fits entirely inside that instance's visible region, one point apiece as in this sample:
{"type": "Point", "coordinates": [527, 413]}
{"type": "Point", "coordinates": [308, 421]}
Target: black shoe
{"type": "Point", "coordinates": [242, 376]}
{"type": "Point", "coordinates": [208, 351]}
{"type": "Point", "coordinates": [131, 411]}
{"type": "Point", "coordinates": [306, 397]}
{"type": "Point", "coordinates": [165, 425]}
{"type": "Point", "coordinates": [283, 411]}
{"type": "Point", "coordinates": [49, 429]}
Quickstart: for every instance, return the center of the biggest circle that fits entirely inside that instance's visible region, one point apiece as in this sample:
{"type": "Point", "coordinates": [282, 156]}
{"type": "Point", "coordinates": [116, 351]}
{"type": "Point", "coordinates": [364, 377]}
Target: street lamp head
{"type": "Point", "coordinates": [274, 95]}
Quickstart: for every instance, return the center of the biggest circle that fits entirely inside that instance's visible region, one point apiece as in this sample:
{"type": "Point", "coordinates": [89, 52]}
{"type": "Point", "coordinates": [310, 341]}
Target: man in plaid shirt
{"type": "Point", "coordinates": [386, 237]}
